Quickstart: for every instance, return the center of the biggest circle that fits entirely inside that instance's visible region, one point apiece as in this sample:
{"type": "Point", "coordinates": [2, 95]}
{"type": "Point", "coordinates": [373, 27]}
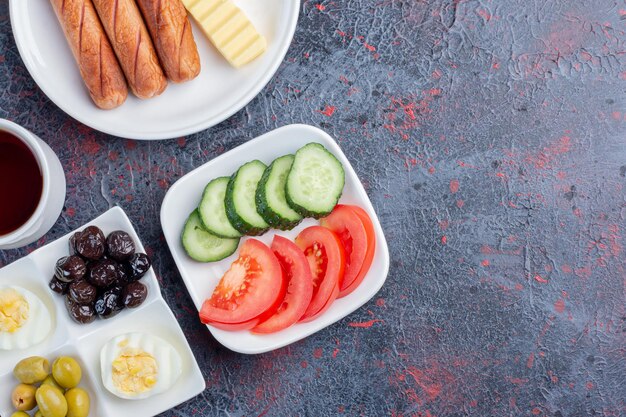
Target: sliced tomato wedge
{"type": "Point", "coordinates": [247, 325]}
{"type": "Point", "coordinates": [326, 260]}
{"type": "Point", "coordinates": [251, 290]}
{"type": "Point", "coordinates": [235, 327]}
{"type": "Point", "coordinates": [347, 225]}
{"type": "Point", "coordinates": [369, 253]}
{"type": "Point", "coordinates": [299, 287]}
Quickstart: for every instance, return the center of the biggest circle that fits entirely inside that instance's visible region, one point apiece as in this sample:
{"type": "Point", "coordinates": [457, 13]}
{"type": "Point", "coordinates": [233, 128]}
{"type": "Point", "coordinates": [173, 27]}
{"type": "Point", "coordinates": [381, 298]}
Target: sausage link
{"type": "Point", "coordinates": [171, 33]}
{"type": "Point", "coordinates": [132, 45]}
{"type": "Point", "coordinates": [92, 51]}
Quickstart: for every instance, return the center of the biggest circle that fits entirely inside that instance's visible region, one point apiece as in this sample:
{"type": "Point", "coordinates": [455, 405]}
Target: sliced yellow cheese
{"type": "Point", "coordinates": [228, 29]}
{"type": "Point", "coordinates": [218, 17]}
{"type": "Point", "coordinates": [201, 8]}
{"type": "Point", "coordinates": [251, 52]}
{"type": "Point", "coordinates": [239, 43]}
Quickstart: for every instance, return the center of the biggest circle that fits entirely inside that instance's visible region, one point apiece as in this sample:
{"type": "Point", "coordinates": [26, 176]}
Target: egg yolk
{"type": "Point", "coordinates": [135, 371]}
{"type": "Point", "coordinates": [14, 310]}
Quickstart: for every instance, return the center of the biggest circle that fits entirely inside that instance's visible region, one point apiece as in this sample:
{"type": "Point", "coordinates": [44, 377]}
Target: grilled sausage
{"type": "Point", "coordinates": [92, 51]}
{"type": "Point", "coordinates": [132, 45]}
{"type": "Point", "coordinates": [171, 33]}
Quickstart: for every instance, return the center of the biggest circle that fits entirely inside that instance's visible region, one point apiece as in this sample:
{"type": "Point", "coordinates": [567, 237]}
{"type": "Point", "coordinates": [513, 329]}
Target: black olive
{"type": "Point", "coordinates": [122, 275]}
{"type": "Point", "coordinates": [138, 265]}
{"type": "Point", "coordinates": [103, 273]}
{"type": "Point", "coordinates": [82, 292]}
{"type": "Point", "coordinates": [72, 243]}
{"type": "Point", "coordinates": [109, 303]}
{"type": "Point", "coordinates": [80, 313]}
{"type": "Point", "coordinates": [58, 286]}
{"type": "Point", "coordinates": [120, 246]}
{"type": "Point", "coordinates": [70, 268]}
{"type": "Point", "coordinates": [90, 264]}
{"type": "Point", "coordinates": [90, 243]}
{"type": "Point", "coordinates": [134, 294]}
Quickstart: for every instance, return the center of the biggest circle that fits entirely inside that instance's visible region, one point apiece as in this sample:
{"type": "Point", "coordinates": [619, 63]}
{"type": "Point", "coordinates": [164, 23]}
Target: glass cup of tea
{"type": "Point", "coordinates": [32, 186]}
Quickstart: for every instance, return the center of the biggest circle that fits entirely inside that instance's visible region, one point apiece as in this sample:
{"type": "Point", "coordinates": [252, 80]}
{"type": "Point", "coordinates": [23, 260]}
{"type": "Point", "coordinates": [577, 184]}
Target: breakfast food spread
{"type": "Point", "coordinates": [101, 276]}
{"type": "Point", "coordinates": [137, 43]}
{"type": "Point", "coordinates": [131, 42]}
{"type": "Point", "coordinates": [138, 365]}
{"type": "Point", "coordinates": [229, 29]}
{"type": "Point", "coordinates": [269, 289]}
{"type": "Point", "coordinates": [24, 319]}
{"type": "Point", "coordinates": [92, 51]}
{"type": "Point", "coordinates": [54, 390]}
{"type": "Point", "coordinates": [171, 32]}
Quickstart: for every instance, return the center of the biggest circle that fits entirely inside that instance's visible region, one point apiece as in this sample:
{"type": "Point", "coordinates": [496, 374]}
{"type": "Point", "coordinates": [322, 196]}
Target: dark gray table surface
{"type": "Point", "coordinates": [491, 138]}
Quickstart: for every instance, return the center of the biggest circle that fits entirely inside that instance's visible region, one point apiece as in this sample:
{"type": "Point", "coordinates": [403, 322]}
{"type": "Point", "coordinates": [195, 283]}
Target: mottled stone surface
{"type": "Point", "coordinates": [491, 138]}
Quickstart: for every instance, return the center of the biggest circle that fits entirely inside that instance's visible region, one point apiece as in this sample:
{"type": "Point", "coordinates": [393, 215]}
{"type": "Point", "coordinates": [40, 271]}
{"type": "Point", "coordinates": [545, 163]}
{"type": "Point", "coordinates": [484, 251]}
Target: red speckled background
{"type": "Point", "coordinates": [491, 138]}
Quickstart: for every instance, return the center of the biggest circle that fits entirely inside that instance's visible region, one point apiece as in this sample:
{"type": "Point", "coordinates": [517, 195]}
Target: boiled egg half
{"type": "Point", "coordinates": [24, 319]}
{"type": "Point", "coordinates": [138, 365]}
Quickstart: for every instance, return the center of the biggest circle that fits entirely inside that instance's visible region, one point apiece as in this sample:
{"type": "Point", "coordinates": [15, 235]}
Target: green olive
{"type": "Point", "coordinates": [32, 370]}
{"type": "Point", "coordinates": [20, 414]}
{"type": "Point", "coordinates": [23, 397]}
{"type": "Point", "coordinates": [66, 372]}
{"type": "Point", "coordinates": [77, 402]}
{"type": "Point", "coordinates": [51, 401]}
{"type": "Point", "coordinates": [50, 381]}
{"type": "Point", "coordinates": [38, 414]}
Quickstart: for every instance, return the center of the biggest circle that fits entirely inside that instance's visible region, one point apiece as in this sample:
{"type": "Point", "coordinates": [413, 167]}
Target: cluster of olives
{"type": "Point", "coordinates": [54, 391]}
{"type": "Point", "coordinates": [101, 275]}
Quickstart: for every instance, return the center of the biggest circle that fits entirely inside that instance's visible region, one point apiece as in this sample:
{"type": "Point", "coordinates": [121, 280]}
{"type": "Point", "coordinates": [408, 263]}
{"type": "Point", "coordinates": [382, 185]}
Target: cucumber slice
{"type": "Point", "coordinates": [315, 181]}
{"type": "Point", "coordinates": [271, 202]}
{"type": "Point", "coordinates": [201, 245]}
{"type": "Point", "coordinates": [213, 211]}
{"type": "Point", "coordinates": [240, 199]}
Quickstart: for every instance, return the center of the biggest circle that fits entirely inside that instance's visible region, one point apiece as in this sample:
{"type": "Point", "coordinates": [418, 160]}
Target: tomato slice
{"type": "Point", "coordinates": [247, 325]}
{"type": "Point", "coordinates": [326, 260]}
{"type": "Point", "coordinates": [369, 253]}
{"type": "Point", "coordinates": [299, 287]}
{"type": "Point", "coordinates": [235, 327]}
{"type": "Point", "coordinates": [347, 225]}
{"type": "Point", "coordinates": [252, 286]}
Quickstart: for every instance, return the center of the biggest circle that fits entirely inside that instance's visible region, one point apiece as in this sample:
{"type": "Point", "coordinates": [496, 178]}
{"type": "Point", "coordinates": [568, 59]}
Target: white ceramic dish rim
{"type": "Point", "coordinates": [174, 133]}
{"type": "Point", "coordinates": [381, 241]}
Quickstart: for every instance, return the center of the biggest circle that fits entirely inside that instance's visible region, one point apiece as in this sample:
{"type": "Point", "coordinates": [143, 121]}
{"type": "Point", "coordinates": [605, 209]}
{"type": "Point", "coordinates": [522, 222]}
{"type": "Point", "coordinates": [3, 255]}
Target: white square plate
{"type": "Point", "coordinates": [84, 342]}
{"type": "Point", "coordinates": [200, 279]}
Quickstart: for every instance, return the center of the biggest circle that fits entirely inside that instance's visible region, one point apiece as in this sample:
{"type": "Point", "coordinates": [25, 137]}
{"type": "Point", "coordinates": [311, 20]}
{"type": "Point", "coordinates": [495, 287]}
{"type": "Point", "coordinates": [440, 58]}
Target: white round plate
{"type": "Point", "coordinates": [216, 94]}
